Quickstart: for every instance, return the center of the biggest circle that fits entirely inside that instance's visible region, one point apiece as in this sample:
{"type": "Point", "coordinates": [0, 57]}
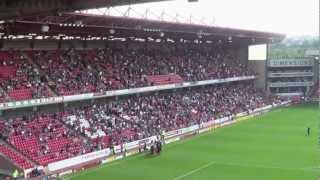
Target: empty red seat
{"type": "Point", "coordinates": [21, 94]}
{"type": "Point", "coordinates": [164, 79]}
{"type": "Point", "coordinates": [7, 71]}
{"type": "Point", "coordinates": [13, 156]}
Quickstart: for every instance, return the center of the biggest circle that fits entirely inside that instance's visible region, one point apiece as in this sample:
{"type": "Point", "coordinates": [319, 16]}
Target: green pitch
{"type": "Point", "coordinates": [273, 146]}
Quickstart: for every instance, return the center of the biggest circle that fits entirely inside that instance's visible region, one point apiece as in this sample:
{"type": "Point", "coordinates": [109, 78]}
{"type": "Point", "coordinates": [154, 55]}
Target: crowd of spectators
{"type": "Point", "coordinates": [19, 78]}
{"type": "Point", "coordinates": [46, 137]}
{"type": "Point", "coordinates": [143, 116]}
{"type": "Point", "coordinates": [43, 138]}
{"type": "Point", "coordinates": [70, 72]}
{"type": "Point", "coordinates": [80, 71]}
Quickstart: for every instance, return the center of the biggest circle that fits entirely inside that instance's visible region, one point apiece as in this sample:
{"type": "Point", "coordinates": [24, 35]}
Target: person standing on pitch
{"type": "Point", "coordinates": [308, 131]}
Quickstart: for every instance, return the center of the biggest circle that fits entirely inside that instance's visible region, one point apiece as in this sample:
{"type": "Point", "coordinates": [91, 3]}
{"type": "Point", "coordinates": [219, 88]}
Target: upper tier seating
{"type": "Point", "coordinates": [19, 78]}
{"type": "Point", "coordinates": [7, 71]}
{"type": "Point", "coordinates": [20, 94]}
{"type": "Point", "coordinates": [83, 71]}
{"type": "Point", "coordinates": [164, 79]}
{"type": "Point", "coordinates": [72, 71]}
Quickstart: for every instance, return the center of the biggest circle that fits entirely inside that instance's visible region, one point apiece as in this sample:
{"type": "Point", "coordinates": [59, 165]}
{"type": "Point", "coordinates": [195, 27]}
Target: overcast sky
{"type": "Point", "coordinates": [291, 17]}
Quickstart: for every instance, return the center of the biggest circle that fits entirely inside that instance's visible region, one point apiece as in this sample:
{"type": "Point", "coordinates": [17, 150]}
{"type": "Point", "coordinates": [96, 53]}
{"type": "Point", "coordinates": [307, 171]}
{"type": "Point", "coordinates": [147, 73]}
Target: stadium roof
{"type": "Point", "coordinates": [86, 25]}
{"type": "Point", "coordinates": [16, 8]}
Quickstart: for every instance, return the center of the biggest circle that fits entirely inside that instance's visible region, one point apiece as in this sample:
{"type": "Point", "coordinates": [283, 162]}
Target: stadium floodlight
{"type": "Point", "coordinates": [79, 22]}
{"type": "Point", "coordinates": [112, 31]}
{"type": "Point", "coordinates": [230, 39]}
{"type": "Point", "coordinates": [45, 28]}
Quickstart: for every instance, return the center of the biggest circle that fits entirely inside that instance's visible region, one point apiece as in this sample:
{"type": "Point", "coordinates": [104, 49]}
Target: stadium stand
{"type": "Point", "coordinates": [83, 71]}
{"type": "Point", "coordinates": [43, 138]}
{"type": "Point", "coordinates": [19, 78]}
{"type": "Point", "coordinates": [46, 138]}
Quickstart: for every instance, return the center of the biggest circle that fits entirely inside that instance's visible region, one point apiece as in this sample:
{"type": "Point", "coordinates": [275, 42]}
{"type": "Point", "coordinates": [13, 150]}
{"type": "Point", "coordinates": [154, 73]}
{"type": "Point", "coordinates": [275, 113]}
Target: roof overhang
{"type": "Point", "coordinates": [86, 25]}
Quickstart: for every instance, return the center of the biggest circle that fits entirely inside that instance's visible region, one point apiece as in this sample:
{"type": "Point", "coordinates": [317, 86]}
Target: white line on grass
{"type": "Point", "coordinates": [194, 171]}
{"type": "Point", "coordinates": [261, 166]}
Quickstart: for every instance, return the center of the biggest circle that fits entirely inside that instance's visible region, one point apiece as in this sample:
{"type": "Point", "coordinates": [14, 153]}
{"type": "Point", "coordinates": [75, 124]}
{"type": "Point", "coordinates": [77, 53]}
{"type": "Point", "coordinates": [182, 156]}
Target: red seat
{"type": "Point", "coordinates": [21, 94]}
{"type": "Point", "coordinates": [164, 79]}
{"type": "Point", "coordinates": [17, 159]}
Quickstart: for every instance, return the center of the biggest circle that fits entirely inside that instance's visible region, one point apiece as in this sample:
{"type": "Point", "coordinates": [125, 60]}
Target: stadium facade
{"type": "Point", "coordinates": [292, 77]}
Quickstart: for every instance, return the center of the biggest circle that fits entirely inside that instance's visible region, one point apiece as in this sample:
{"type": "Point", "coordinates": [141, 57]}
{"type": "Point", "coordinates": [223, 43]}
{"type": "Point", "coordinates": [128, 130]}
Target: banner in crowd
{"type": "Point", "coordinates": [109, 159]}
{"type": "Point", "coordinates": [173, 133]}
{"type": "Point", "coordinates": [242, 118]}
{"type": "Point", "coordinates": [133, 152]}
{"type": "Point", "coordinates": [78, 160]}
{"type": "Point", "coordinates": [241, 114]}
{"type": "Point", "coordinates": [190, 129]}
{"type": "Point", "coordinates": [135, 144]}
{"type": "Point", "coordinates": [222, 120]}
{"type": "Point", "coordinates": [178, 132]}
{"type": "Point", "coordinates": [263, 108]}
{"type": "Point", "coordinates": [30, 103]}
{"type": "Point", "coordinates": [117, 149]}
{"type": "Point", "coordinates": [207, 124]}
{"type": "Point", "coordinates": [77, 97]}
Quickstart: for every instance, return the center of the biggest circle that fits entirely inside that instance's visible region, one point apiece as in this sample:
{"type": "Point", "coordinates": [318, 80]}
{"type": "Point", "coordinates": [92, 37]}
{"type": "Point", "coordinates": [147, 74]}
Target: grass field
{"type": "Point", "coordinates": [273, 146]}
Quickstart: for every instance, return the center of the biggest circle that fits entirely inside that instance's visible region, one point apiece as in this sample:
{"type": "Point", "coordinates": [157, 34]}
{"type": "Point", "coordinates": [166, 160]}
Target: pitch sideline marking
{"type": "Point", "coordinates": [194, 171]}
{"type": "Point", "coordinates": [260, 166]}
{"type": "Point", "coordinates": [237, 164]}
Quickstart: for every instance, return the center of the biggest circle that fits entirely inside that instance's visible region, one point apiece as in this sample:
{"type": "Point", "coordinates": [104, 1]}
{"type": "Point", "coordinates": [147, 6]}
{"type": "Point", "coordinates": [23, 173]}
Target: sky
{"type": "Point", "coordinates": [290, 17]}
